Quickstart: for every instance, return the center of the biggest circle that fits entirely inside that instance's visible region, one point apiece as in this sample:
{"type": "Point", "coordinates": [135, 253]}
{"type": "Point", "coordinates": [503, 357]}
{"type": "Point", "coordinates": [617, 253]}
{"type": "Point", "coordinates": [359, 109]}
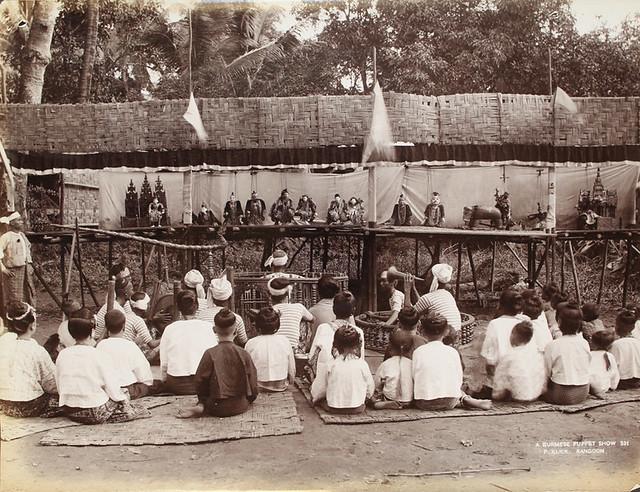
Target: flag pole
{"type": "Point", "coordinates": [373, 209]}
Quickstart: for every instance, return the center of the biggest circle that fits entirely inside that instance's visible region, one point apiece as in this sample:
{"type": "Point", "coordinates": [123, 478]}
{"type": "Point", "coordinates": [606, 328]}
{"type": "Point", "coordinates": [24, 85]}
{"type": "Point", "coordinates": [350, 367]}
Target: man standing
{"type": "Point", "coordinates": [15, 262]}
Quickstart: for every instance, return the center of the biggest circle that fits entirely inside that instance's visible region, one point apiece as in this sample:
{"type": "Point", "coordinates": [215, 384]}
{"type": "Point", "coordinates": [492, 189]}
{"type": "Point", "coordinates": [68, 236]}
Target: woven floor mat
{"type": "Point", "coordinates": [370, 416]}
{"type": "Point", "coordinates": [272, 414]}
{"type": "Point", "coordinates": [13, 428]}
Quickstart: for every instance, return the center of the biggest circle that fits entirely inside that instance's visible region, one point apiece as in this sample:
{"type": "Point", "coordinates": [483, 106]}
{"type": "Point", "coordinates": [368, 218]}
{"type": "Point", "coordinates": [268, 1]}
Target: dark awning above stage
{"type": "Point", "coordinates": [322, 157]}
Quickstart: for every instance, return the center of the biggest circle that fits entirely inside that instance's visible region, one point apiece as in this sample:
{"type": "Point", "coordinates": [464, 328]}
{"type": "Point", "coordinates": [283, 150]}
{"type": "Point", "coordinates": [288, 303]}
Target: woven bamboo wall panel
{"type": "Point", "coordinates": [525, 119]}
{"type": "Point", "coordinates": [599, 121]}
{"type": "Point", "coordinates": [317, 121]}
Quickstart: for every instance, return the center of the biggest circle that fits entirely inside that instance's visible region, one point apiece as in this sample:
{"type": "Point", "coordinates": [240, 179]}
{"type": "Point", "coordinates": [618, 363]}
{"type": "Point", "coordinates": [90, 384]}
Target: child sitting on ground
{"type": "Point", "coordinates": [558, 299]}
{"type": "Point", "coordinates": [291, 313]}
{"type": "Point", "coordinates": [271, 353]}
{"type": "Point", "coordinates": [591, 322]}
{"type": "Point", "coordinates": [131, 366]}
{"type": "Point", "coordinates": [226, 380]}
{"type": "Point", "coordinates": [603, 373]}
{"type": "Point", "coordinates": [547, 293]}
{"type": "Point", "coordinates": [626, 350]}
{"type": "Point", "coordinates": [532, 308]}
{"type": "Point", "coordinates": [567, 360]}
{"type": "Point", "coordinates": [394, 379]}
{"type": "Point", "coordinates": [65, 339]}
{"type": "Point", "coordinates": [497, 341]}
{"type": "Point", "coordinates": [346, 383]}
{"type": "Point", "coordinates": [437, 371]}
{"type": "Point", "coordinates": [408, 320]}
{"type": "Point", "coordinates": [87, 382]}
{"type": "Point", "coordinates": [520, 374]}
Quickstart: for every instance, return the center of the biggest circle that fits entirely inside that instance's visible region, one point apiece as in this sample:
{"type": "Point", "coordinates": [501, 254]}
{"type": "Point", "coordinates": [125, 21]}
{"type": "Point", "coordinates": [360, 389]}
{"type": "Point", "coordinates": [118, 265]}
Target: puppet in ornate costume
{"type": "Point", "coordinates": [401, 213]}
{"type": "Point", "coordinates": [254, 210]}
{"type": "Point", "coordinates": [337, 210]}
{"type": "Point", "coordinates": [355, 211]}
{"type": "Point", "coordinates": [282, 210]}
{"type": "Point", "coordinates": [503, 203]}
{"type": "Point", "coordinates": [156, 212]}
{"type": "Point", "coordinates": [434, 213]}
{"type": "Point", "coordinates": [306, 210]}
{"type": "Point", "coordinates": [206, 217]}
{"type": "Point", "coordinates": [232, 211]}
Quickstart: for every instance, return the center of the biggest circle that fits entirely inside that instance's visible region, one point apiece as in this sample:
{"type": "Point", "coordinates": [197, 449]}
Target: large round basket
{"type": "Point", "coordinates": [376, 333]}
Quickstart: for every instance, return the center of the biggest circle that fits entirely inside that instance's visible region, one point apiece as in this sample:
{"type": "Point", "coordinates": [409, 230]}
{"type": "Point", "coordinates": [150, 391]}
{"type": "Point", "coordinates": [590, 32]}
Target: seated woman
{"type": "Point", "coordinates": [28, 382]}
{"type": "Point", "coordinates": [88, 384]}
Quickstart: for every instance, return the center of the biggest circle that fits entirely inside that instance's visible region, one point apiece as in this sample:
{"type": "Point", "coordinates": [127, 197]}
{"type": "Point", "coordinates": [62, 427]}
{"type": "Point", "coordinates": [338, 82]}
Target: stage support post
{"type": "Point", "coordinates": [492, 279]}
{"type": "Point", "coordinates": [187, 205]}
{"type": "Point", "coordinates": [79, 264]}
{"type": "Point", "coordinates": [62, 265]}
{"type": "Point", "coordinates": [142, 262]}
{"type": "Point", "coordinates": [373, 209]}
{"type": "Point", "coordinates": [473, 274]}
{"type": "Point", "coordinates": [603, 270]}
{"type": "Point", "coordinates": [562, 262]}
{"type": "Point", "coordinates": [550, 223]}
{"type": "Point", "coordinates": [575, 274]}
{"type": "Point", "coordinates": [627, 271]}
{"type": "Point", "coordinates": [415, 259]}
{"type": "Point", "coordinates": [458, 273]}
{"type": "Point", "coordinates": [371, 270]}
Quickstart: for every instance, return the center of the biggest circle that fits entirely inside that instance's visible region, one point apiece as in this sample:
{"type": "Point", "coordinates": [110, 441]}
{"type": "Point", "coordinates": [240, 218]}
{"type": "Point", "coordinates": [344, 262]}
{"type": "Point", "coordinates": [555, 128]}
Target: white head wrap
{"type": "Point", "coordinates": [194, 280]}
{"type": "Point", "coordinates": [141, 304]}
{"type": "Point", "coordinates": [220, 288]}
{"type": "Point", "coordinates": [441, 273]}
{"type": "Point", "coordinates": [7, 219]}
{"type": "Point", "coordinates": [285, 289]}
{"type": "Point", "coordinates": [278, 258]}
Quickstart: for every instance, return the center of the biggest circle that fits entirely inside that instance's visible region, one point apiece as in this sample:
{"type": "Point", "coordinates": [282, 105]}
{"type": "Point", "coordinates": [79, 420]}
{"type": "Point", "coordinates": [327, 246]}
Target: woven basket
{"type": "Point", "coordinates": [376, 333]}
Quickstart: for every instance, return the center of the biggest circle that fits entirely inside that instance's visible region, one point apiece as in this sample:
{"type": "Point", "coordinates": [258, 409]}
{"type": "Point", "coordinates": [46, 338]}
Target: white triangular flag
{"type": "Point", "coordinates": [379, 143]}
{"type": "Point", "coordinates": [562, 99]}
{"type": "Point", "coordinates": [193, 118]}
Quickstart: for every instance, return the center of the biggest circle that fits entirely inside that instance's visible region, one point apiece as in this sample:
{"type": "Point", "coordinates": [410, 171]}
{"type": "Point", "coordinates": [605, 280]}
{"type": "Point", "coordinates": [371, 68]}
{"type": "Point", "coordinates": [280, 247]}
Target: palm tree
{"type": "Point", "coordinates": [91, 44]}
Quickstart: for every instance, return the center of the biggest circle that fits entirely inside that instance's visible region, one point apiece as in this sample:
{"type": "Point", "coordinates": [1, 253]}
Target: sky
{"type": "Point", "coordinates": [590, 14]}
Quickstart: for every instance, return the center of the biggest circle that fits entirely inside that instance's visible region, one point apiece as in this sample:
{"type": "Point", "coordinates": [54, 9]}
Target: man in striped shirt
{"type": "Point", "coordinates": [218, 298]}
{"type": "Point", "coordinates": [291, 314]}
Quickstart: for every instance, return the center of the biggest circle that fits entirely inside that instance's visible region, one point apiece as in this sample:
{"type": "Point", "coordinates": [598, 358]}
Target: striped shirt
{"type": "Point", "coordinates": [442, 302]}
{"type": "Point", "coordinates": [209, 314]}
{"type": "Point", "coordinates": [135, 329]}
{"type": "Point", "coordinates": [396, 301]}
{"type": "Point", "coordinates": [291, 315]}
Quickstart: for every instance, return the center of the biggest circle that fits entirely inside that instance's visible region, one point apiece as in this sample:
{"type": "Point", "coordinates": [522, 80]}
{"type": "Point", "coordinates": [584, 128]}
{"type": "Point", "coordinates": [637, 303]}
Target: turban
{"type": "Point", "coordinates": [194, 280]}
{"type": "Point", "coordinates": [220, 289]}
{"type": "Point", "coordinates": [441, 274]}
{"type": "Point", "coordinates": [384, 275]}
{"type": "Point", "coordinates": [7, 219]}
{"type": "Point", "coordinates": [279, 286]}
{"type": "Point", "coordinates": [279, 258]}
{"type": "Point", "coordinates": [141, 304]}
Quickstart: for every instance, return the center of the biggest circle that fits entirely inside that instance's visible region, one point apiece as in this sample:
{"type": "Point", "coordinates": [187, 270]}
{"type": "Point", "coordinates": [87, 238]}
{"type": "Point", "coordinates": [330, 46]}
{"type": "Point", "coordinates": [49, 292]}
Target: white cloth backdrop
{"type": "Point", "coordinates": [457, 186]}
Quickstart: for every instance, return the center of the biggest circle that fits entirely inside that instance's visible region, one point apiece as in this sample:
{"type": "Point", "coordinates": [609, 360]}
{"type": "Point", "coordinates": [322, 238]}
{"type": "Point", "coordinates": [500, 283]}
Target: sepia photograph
{"type": "Point", "coordinates": [319, 245]}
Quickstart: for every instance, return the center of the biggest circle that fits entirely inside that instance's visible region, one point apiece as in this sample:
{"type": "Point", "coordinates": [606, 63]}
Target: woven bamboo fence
{"type": "Point", "coordinates": [313, 121]}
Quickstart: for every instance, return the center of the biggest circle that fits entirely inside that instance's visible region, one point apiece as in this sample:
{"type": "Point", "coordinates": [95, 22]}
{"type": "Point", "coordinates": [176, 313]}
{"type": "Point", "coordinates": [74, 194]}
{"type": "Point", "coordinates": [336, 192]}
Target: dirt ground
{"type": "Point", "coordinates": [358, 457]}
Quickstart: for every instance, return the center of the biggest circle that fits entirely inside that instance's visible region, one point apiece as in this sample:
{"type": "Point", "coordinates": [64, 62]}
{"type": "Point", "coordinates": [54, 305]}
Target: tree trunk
{"type": "Point", "coordinates": [90, 45]}
{"type": "Point", "coordinates": [37, 52]}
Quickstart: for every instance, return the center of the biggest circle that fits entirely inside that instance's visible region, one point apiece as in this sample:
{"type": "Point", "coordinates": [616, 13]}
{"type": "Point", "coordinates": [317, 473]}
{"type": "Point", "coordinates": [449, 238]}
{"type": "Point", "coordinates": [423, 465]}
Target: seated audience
{"type": "Point", "coordinates": [626, 350]}
{"type": "Point", "coordinates": [558, 299]}
{"type": "Point", "coordinates": [28, 381]}
{"type": "Point", "coordinates": [636, 327]}
{"type": "Point", "coordinates": [182, 345]}
{"type": "Point", "coordinates": [346, 383]}
{"type": "Point", "coordinates": [408, 320]}
{"type": "Point", "coordinates": [271, 353]}
{"type": "Point", "coordinates": [193, 281]}
{"type": "Point", "coordinates": [226, 380]}
{"type": "Point", "coordinates": [591, 321]}
{"type": "Point", "coordinates": [437, 371]}
{"type": "Point", "coordinates": [131, 366]}
{"type": "Point", "coordinates": [394, 296]}
{"type": "Point", "coordinates": [603, 370]}
{"type": "Point", "coordinates": [65, 339]}
{"type": "Point", "coordinates": [548, 291]}
{"type": "Point", "coordinates": [394, 378]}
{"type": "Point", "coordinates": [567, 360]}
{"type": "Point", "coordinates": [291, 314]}
{"type": "Point", "coordinates": [520, 374]}
{"type": "Point", "coordinates": [88, 384]}
{"type": "Point", "coordinates": [219, 297]}
{"type": "Point", "coordinates": [322, 311]}
{"type": "Point", "coordinates": [532, 308]}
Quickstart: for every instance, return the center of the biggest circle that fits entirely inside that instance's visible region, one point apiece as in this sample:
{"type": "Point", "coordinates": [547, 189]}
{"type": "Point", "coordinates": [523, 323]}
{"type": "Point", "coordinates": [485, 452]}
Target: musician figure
{"type": "Point", "coordinates": [156, 211]}
{"type": "Point", "coordinates": [306, 210]}
{"type": "Point", "coordinates": [434, 213]}
{"type": "Point", "coordinates": [337, 210]}
{"type": "Point", "coordinates": [282, 210]}
{"type": "Point", "coordinates": [233, 211]}
{"type": "Point", "coordinates": [254, 210]}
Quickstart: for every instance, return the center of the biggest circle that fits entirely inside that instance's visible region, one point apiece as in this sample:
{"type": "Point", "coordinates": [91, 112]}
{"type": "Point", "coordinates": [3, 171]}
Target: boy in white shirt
{"type": "Point", "coordinates": [394, 378]}
{"type": "Point", "coordinates": [603, 370]}
{"type": "Point", "coordinates": [347, 383]}
{"type": "Point", "coordinates": [291, 314]}
{"type": "Point", "coordinates": [532, 308]}
{"type": "Point", "coordinates": [520, 374]}
{"type": "Point", "coordinates": [626, 350]}
{"type": "Point", "coordinates": [271, 353]}
{"type": "Point", "coordinates": [181, 347]}
{"type": "Point", "coordinates": [396, 298]}
{"type": "Point", "coordinates": [131, 366]}
{"type": "Point", "coordinates": [87, 382]}
{"type": "Point", "coordinates": [437, 371]}
{"type": "Point", "coordinates": [567, 360]}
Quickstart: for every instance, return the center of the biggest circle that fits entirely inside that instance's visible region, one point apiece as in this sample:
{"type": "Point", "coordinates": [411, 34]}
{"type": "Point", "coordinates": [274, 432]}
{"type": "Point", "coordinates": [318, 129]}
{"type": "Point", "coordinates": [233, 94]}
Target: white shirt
{"type": "Point", "coordinates": [273, 357]}
{"type": "Point", "coordinates": [396, 301]}
{"type": "Point", "coordinates": [521, 372]}
{"type": "Point", "coordinates": [541, 333]}
{"type": "Point", "coordinates": [636, 330]}
{"type": "Point", "coordinates": [567, 360]}
{"type": "Point", "coordinates": [66, 340]}
{"type": "Point", "coordinates": [627, 353]}
{"type": "Point", "coordinates": [209, 313]}
{"type": "Point", "coordinates": [437, 372]}
{"type": "Point", "coordinates": [86, 378]}
{"type": "Point", "coordinates": [497, 341]}
{"type": "Point", "coordinates": [323, 341]}
{"type": "Point", "coordinates": [602, 379]}
{"type": "Point", "coordinates": [394, 378]}
{"type": "Point", "coordinates": [130, 364]}
{"type": "Point", "coordinates": [346, 383]}
{"type": "Point", "coordinates": [182, 345]}
{"type": "Point", "coordinates": [291, 315]}
{"type": "Point", "coordinates": [15, 249]}
{"type": "Point", "coordinates": [26, 369]}
{"type": "Point", "coordinates": [441, 301]}
{"type": "Point", "coordinates": [322, 312]}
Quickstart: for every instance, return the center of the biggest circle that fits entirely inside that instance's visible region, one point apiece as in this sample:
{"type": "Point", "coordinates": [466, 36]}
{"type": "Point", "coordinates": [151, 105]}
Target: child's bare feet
{"type": "Point", "coordinates": [191, 412]}
{"type": "Point", "coordinates": [471, 402]}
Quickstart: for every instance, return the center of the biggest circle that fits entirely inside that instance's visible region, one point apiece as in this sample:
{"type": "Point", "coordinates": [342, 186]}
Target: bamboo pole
{"type": "Point", "coordinates": [515, 255]}
{"type": "Point", "coordinates": [473, 274]}
{"type": "Point", "coordinates": [47, 287]}
{"type": "Point", "coordinates": [575, 274]}
{"type": "Point", "coordinates": [458, 273]}
{"type": "Point", "coordinates": [111, 294]}
{"type": "Point", "coordinates": [174, 310]}
{"type": "Point", "coordinates": [70, 268]}
{"type": "Point", "coordinates": [493, 266]}
{"type": "Point", "coordinates": [627, 271]}
{"type": "Point", "coordinates": [562, 262]}
{"type": "Point", "coordinates": [603, 270]}
{"type": "Point", "coordinates": [79, 264]}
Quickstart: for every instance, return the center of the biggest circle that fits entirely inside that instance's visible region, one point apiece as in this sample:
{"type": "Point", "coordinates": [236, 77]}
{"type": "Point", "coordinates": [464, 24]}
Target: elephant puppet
{"type": "Point", "coordinates": [473, 215]}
